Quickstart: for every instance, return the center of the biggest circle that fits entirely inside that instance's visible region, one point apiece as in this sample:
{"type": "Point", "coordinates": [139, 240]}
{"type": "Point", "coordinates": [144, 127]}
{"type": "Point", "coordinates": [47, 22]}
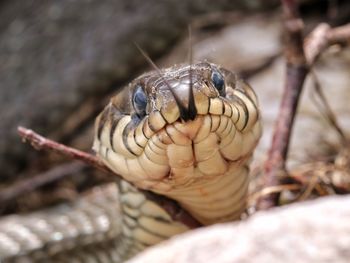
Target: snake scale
{"type": "Point", "coordinates": [187, 132]}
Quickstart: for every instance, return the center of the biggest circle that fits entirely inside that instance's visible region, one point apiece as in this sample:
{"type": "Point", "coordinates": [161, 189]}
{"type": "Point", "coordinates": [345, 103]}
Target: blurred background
{"type": "Point", "coordinates": [61, 61]}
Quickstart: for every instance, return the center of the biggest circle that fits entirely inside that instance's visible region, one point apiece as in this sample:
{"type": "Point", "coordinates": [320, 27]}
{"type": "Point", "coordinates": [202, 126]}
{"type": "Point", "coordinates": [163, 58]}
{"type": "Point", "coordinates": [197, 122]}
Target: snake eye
{"type": "Point", "coordinates": [140, 101]}
{"type": "Point", "coordinates": [218, 81]}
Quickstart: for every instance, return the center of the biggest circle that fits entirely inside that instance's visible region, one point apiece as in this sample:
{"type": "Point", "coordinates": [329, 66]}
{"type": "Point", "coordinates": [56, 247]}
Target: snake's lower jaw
{"type": "Point", "coordinates": [179, 153]}
{"type": "Point", "coordinates": [201, 163]}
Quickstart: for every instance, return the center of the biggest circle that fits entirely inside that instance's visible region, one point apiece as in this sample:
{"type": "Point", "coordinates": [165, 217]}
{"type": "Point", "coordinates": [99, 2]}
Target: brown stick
{"type": "Point", "coordinates": [39, 142]}
{"type": "Point", "coordinates": [296, 72]}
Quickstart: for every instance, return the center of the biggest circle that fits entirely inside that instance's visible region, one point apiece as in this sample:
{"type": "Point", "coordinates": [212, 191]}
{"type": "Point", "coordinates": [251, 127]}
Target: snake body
{"type": "Point", "coordinates": [186, 132]}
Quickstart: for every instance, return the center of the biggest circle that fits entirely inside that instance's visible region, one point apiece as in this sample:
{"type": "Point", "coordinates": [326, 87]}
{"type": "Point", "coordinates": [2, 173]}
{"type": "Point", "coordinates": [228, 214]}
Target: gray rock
{"type": "Point", "coordinates": [317, 231]}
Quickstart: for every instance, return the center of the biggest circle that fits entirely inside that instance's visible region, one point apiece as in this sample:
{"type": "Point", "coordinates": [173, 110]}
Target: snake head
{"type": "Point", "coordinates": [167, 129]}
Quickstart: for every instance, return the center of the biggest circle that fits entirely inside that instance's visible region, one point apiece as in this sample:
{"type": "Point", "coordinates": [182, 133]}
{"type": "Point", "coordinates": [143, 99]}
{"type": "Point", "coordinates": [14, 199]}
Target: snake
{"type": "Point", "coordinates": [187, 132]}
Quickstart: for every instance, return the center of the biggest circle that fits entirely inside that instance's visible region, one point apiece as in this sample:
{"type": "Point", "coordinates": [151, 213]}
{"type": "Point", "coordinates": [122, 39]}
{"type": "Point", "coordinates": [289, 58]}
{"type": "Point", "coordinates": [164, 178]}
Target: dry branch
{"type": "Point", "coordinates": [39, 142]}
{"type": "Point", "coordinates": [297, 69]}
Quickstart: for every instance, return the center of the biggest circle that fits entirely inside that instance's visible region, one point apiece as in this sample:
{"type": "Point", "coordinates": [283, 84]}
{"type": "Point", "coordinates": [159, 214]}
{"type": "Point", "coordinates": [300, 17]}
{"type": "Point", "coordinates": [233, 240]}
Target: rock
{"type": "Point", "coordinates": [317, 231]}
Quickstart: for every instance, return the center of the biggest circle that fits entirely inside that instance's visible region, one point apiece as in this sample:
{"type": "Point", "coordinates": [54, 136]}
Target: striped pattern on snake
{"type": "Point", "coordinates": [186, 132]}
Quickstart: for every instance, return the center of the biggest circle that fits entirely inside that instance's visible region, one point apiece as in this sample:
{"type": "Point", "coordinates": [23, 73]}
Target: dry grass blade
{"type": "Point", "coordinates": [309, 188]}
{"type": "Point", "coordinates": [271, 190]}
{"type": "Point", "coordinates": [325, 109]}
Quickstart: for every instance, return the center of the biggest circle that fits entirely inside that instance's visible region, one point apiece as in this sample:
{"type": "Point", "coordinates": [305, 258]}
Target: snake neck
{"type": "Point", "coordinates": [216, 200]}
{"type": "Point", "coordinates": [144, 222]}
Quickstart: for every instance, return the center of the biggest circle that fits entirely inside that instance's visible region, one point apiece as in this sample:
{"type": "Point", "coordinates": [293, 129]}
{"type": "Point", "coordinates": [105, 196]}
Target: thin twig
{"type": "Point", "coordinates": [39, 142]}
{"type": "Point", "coordinates": [296, 72]}
{"type": "Point", "coordinates": [273, 189]}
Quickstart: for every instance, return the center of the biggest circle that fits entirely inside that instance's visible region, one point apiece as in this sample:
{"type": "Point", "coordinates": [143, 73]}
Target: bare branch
{"type": "Point", "coordinates": [296, 72]}
{"type": "Point", "coordinates": [39, 142]}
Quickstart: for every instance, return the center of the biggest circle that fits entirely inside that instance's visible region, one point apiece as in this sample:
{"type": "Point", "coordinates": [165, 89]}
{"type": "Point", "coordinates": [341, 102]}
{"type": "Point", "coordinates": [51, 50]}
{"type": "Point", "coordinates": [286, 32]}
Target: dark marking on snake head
{"type": "Point", "coordinates": [102, 121]}
{"type": "Point", "coordinates": [114, 116]}
{"type": "Point", "coordinates": [251, 101]}
{"type": "Point", "coordinates": [192, 110]}
{"type": "Point", "coordinates": [127, 129]}
{"type": "Point", "coordinates": [245, 109]}
{"type": "Point", "coordinates": [238, 113]}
